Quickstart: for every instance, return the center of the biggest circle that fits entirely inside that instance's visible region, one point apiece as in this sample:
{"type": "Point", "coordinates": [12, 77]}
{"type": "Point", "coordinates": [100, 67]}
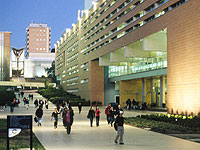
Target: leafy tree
{"type": "Point", "coordinates": [51, 72]}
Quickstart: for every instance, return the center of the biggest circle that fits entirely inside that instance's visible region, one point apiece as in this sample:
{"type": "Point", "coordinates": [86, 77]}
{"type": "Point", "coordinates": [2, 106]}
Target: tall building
{"type": "Point", "coordinates": [38, 38]}
{"type": "Point", "coordinates": [38, 54]}
{"type": "Point", "coordinates": [5, 56]}
{"type": "Point", "coordinates": [142, 49]}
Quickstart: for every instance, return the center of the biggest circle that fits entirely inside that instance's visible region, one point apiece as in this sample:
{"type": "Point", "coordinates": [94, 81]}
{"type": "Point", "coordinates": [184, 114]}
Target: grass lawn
{"type": "Point", "coordinates": [22, 140]}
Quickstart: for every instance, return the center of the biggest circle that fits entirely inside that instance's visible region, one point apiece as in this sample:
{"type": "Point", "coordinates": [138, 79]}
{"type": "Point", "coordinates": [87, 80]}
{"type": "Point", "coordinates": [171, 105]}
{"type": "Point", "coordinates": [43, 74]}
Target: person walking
{"type": "Point", "coordinates": [27, 103]}
{"type": "Point", "coordinates": [120, 128]}
{"type": "Point", "coordinates": [118, 110]}
{"type": "Point", "coordinates": [67, 120]}
{"type": "Point", "coordinates": [54, 116]}
{"type": "Point", "coordinates": [39, 114]}
{"type": "Point", "coordinates": [79, 107]}
{"type": "Point", "coordinates": [91, 115]}
{"type": "Point", "coordinates": [107, 112]}
{"type": "Point", "coordinates": [112, 114]}
{"type": "Point", "coordinates": [98, 112]}
{"type": "Point", "coordinates": [36, 103]}
{"type": "Point", "coordinates": [46, 104]}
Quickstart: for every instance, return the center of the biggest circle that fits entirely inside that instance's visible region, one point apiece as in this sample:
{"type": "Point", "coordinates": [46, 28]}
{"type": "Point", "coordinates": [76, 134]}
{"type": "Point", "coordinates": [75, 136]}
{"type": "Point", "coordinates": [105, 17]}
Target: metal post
{"type": "Point", "coordinates": [31, 133]}
{"type": "Point", "coordinates": [8, 123]}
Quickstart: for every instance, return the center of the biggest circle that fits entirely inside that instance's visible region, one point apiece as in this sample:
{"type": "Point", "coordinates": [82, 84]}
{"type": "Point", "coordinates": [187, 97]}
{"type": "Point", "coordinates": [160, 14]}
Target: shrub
{"type": "Point", "coordinates": [6, 97]}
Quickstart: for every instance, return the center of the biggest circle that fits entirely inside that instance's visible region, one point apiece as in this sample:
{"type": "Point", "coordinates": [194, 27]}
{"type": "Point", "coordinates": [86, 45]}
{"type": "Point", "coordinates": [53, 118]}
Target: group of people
{"type": "Point", "coordinates": [39, 102]}
{"type": "Point", "coordinates": [110, 115]}
{"type": "Point", "coordinates": [67, 114]}
{"type": "Point", "coordinates": [132, 104]}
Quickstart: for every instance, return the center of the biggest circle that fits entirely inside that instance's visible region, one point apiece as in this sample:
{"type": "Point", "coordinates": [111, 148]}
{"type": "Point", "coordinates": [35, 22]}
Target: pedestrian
{"type": "Point", "coordinates": [24, 99]}
{"type": "Point", "coordinates": [107, 112]}
{"type": "Point", "coordinates": [27, 104]}
{"type": "Point", "coordinates": [36, 103]}
{"type": "Point", "coordinates": [134, 104]}
{"type": "Point", "coordinates": [79, 107]}
{"type": "Point", "coordinates": [39, 114]}
{"type": "Point", "coordinates": [46, 104]}
{"type": "Point", "coordinates": [91, 115]}
{"type": "Point", "coordinates": [67, 120]}
{"type": "Point", "coordinates": [54, 116]}
{"type": "Point", "coordinates": [118, 110]}
{"type": "Point", "coordinates": [120, 128]}
{"type": "Point", "coordinates": [98, 112]}
{"type": "Point", "coordinates": [112, 113]}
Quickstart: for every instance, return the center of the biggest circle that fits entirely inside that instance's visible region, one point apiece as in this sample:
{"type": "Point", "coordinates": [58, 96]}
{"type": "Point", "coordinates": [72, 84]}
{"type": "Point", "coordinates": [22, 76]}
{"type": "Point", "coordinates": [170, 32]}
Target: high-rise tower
{"type": "Point", "coordinates": [38, 38]}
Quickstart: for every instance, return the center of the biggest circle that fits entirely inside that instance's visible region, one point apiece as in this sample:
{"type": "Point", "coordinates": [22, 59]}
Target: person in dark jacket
{"type": "Point", "coordinates": [112, 113]}
{"type": "Point", "coordinates": [79, 107]}
{"type": "Point", "coordinates": [68, 119]}
{"type": "Point", "coordinates": [91, 115]}
{"type": "Point", "coordinates": [120, 128]}
{"type": "Point", "coordinates": [107, 112]}
{"type": "Point", "coordinates": [118, 110]}
{"type": "Point", "coordinates": [54, 115]}
{"type": "Point", "coordinates": [39, 114]}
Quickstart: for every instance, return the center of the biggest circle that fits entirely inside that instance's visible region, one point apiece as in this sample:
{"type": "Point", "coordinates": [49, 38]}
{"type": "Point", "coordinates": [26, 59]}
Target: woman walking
{"type": "Point", "coordinates": [68, 119]}
{"type": "Point", "coordinates": [91, 115]}
{"type": "Point", "coordinates": [55, 117]}
{"type": "Point", "coordinates": [98, 112]}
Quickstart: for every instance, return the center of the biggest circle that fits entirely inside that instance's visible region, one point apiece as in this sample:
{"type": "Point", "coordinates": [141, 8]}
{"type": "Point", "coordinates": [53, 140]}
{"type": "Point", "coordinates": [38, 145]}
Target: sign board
{"type": "Point", "coordinates": [15, 124]}
{"type": "Point", "coordinates": [23, 122]}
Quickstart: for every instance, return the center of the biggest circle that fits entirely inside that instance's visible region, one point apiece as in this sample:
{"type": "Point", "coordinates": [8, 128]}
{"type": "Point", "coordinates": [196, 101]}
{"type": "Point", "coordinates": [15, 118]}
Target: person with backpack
{"type": "Point", "coordinates": [91, 115]}
{"type": "Point", "coordinates": [39, 114]}
{"type": "Point", "coordinates": [98, 112]}
{"type": "Point", "coordinates": [107, 112]}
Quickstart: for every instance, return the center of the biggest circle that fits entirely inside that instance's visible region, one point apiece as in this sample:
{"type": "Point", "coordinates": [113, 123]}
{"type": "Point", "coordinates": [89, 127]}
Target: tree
{"type": "Point", "coordinates": [6, 96]}
{"type": "Point", "coordinates": [51, 72]}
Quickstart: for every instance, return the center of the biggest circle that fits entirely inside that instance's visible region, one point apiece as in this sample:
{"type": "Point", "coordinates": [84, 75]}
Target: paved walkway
{"type": "Point", "coordinates": [84, 137]}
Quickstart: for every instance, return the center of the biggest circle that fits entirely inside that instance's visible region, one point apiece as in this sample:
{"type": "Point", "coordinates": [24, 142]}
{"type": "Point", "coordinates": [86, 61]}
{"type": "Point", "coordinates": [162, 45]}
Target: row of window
{"type": "Point", "coordinates": [127, 22]}
{"type": "Point", "coordinates": [111, 22]}
{"type": "Point", "coordinates": [75, 55]}
{"type": "Point", "coordinates": [72, 91]}
{"type": "Point", "coordinates": [72, 79]}
{"type": "Point", "coordinates": [110, 15]}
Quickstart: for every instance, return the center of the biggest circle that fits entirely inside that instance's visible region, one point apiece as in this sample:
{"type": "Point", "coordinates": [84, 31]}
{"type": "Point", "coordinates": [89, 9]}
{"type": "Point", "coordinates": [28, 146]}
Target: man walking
{"type": "Point", "coordinates": [120, 128]}
{"type": "Point", "coordinates": [39, 114]}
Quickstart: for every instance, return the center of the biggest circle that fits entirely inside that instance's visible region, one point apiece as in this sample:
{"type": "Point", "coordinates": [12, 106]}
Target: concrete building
{"type": "Point", "coordinates": [142, 49]}
{"type": "Point", "coordinates": [5, 56]}
{"type": "Point", "coordinates": [37, 54]}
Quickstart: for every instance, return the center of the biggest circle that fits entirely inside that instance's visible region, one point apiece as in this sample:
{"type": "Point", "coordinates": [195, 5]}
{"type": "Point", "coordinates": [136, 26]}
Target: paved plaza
{"type": "Point", "coordinates": [84, 137]}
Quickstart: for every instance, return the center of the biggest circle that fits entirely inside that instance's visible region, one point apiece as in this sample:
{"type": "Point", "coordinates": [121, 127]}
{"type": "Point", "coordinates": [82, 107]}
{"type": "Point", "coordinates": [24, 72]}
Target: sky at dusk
{"type": "Point", "coordinates": [16, 15]}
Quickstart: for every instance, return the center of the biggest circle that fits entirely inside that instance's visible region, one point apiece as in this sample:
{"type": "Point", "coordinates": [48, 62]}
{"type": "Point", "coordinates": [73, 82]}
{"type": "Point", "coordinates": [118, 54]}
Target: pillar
{"type": "Point", "coordinates": [162, 90]}
{"type": "Point", "coordinates": [143, 90]}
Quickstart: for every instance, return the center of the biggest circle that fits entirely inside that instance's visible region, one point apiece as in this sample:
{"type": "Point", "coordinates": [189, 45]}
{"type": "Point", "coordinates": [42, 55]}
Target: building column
{"type": "Point", "coordinates": [143, 90]}
{"type": "Point", "coordinates": [151, 87]}
{"type": "Point", "coordinates": [162, 90]}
